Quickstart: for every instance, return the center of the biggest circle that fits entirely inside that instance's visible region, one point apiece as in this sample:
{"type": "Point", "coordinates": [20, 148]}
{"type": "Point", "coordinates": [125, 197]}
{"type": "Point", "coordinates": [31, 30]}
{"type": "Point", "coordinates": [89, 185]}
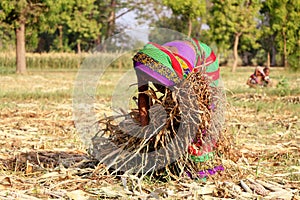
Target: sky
{"type": "Point", "coordinates": [129, 20]}
{"type": "Point", "coordinates": [137, 31]}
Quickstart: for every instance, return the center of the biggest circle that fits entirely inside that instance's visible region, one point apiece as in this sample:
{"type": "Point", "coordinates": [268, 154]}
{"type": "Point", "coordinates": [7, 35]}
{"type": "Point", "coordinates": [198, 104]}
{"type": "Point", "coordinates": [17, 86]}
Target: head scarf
{"type": "Point", "coordinates": [169, 68]}
{"type": "Point", "coordinates": [260, 69]}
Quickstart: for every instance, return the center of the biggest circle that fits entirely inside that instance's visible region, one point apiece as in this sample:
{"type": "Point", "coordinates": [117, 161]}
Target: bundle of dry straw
{"type": "Point", "coordinates": [185, 123]}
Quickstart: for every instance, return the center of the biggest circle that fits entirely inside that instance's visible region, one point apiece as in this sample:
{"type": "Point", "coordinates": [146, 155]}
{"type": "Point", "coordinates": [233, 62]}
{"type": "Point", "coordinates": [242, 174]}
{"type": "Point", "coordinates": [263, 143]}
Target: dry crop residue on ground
{"type": "Point", "coordinates": [42, 157]}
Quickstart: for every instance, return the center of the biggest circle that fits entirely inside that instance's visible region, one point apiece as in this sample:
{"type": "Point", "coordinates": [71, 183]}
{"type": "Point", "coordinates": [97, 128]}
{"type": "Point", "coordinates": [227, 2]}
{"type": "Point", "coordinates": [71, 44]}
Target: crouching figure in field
{"type": "Point", "coordinates": [168, 64]}
{"type": "Point", "coordinates": [260, 77]}
{"type": "Point", "coordinates": [191, 66]}
{"type": "Point", "coordinates": [179, 118]}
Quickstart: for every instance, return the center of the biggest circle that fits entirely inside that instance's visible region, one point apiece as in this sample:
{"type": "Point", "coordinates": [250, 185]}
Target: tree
{"type": "Point", "coordinates": [19, 13]}
{"type": "Point", "coordinates": [75, 21]}
{"type": "Point", "coordinates": [232, 19]}
{"type": "Point", "coordinates": [282, 22]}
{"type": "Point", "coordinates": [268, 36]}
{"type": "Point", "coordinates": [82, 23]}
{"type": "Point", "coordinates": [6, 36]}
{"type": "Point", "coordinates": [190, 9]}
{"type": "Point", "coordinates": [56, 26]}
{"type": "Point", "coordinates": [178, 23]}
{"type": "Point", "coordinates": [114, 9]}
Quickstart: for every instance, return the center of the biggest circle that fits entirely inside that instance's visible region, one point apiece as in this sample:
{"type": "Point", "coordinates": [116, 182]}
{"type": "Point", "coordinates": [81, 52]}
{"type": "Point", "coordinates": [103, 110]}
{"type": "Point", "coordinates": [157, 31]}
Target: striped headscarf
{"type": "Point", "coordinates": [169, 67]}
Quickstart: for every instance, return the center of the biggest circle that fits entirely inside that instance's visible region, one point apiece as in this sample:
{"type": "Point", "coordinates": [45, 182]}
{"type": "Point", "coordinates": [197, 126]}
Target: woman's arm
{"type": "Point", "coordinates": [143, 102]}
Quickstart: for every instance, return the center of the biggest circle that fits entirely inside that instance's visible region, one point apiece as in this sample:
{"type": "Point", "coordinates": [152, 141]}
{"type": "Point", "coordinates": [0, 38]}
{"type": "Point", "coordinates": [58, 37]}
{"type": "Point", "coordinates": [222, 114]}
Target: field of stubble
{"type": "Point", "coordinates": [42, 156]}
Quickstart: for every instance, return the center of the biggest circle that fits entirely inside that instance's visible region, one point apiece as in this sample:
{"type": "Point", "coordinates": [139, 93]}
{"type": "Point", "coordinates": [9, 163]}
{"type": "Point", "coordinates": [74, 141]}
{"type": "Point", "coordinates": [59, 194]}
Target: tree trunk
{"type": "Point", "coordinates": [285, 62]}
{"type": "Point", "coordinates": [273, 59]}
{"type": "Point", "coordinates": [235, 51]}
{"type": "Point", "coordinates": [98, 40]}
{"type": "Point", "coordinates": [60, 44]}
{"type": "Point", "coordinates": [20, 49]}
{"type": "Point", "coordinates": [268, 60]}
{"type": "Point", "coordinates": [190, 28]}
{"type": "Point", "coordinates": [200, 28]}
{"type": "Point", "coordinates": [78, 47]}
{"type": "Point", "coordinates": [111, 19]}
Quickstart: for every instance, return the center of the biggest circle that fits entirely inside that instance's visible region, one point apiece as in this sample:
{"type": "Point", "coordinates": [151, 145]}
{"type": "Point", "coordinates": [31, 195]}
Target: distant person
{"type": "Point", "coordinates": [257, 78]}
{"type": "Point", "coordinates": [267, 81]}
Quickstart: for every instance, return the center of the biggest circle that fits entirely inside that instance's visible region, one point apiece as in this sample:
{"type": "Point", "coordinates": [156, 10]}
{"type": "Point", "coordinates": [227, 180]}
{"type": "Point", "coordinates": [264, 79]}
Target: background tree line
{"type": "Point", "coordinates": [243, 32]}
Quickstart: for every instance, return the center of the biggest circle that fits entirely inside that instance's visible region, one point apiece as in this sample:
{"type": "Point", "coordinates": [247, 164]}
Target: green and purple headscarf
{"type": "Point", "coordinates": [169, 68]}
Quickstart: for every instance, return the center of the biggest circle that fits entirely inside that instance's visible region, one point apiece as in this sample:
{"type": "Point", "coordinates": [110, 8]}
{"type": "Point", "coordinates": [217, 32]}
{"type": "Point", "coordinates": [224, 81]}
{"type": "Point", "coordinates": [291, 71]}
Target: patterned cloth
{"type": "Point", "coordinates": [169, 68]}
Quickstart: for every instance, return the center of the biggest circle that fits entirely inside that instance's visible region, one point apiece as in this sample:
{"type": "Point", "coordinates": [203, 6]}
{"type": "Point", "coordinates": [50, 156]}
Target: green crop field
{"type": "Point", "coordinates": [42, 156]}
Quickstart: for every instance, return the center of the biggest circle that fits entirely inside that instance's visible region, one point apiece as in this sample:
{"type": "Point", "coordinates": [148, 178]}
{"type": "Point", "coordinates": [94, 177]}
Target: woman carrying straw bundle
{"type": "Point", "coordinates": [169, 64]}
{"type": "Point", "coordinates": [179, 119]}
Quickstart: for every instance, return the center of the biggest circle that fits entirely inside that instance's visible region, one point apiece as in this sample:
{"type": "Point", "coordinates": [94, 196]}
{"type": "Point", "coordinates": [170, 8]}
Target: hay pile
{"type": "Point", "coordinates": [186, 118]}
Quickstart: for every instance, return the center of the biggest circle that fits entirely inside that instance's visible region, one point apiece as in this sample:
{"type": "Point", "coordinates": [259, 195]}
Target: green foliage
{"type": "Point", "coordinates": [294, 62]}
{"type": "Point", "coordinates": [171, 23]}
{"type": "Point", "coordinates": [232, 17]}
{"type": "Point", "coordinates": [81, 22]}
{"type": "Point", "coordinates": [283, 86]}
{"type": "Point", "coordinates": [58, 61]}
{"type": "Point", "coordinates": [164, 35]}
{"type": "Point", "coordinates": [66, 25]}
{"type": "Point", "coordinates": [282, 19]}
{"type": "Point", "coordinates": [190, 8]}
{"type": "Point", "coordinates": [188, 11]}
{"type": "Point", "coordinates": [7, 70]}
{"type": "Point", "coordinates": [260, 58]}
{"type": "Point", "coordinates": [55, 96]}
{"type": "Point", "coordinates": [16, 11]}
{"type": "Point", "coordinates": [7, 37]}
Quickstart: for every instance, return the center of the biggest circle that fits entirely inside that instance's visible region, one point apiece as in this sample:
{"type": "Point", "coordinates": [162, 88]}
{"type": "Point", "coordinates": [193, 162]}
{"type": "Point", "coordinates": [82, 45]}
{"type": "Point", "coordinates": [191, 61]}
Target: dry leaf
{"type": "Point", "coordinates": [50, 175]}
{"type": "Point", "coordinates": [284, 195]}
{"type": "Point", "coordinates": [78, 195]}
{"type": "Point", "coordinates": [5, 182]}
{"type": "Point", "coordinates": [113, 191]}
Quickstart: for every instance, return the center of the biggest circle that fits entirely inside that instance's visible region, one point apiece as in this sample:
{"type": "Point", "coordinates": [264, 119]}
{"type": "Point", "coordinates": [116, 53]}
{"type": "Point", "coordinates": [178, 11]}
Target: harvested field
{"type": "Point", "coordinates": [42, 156]}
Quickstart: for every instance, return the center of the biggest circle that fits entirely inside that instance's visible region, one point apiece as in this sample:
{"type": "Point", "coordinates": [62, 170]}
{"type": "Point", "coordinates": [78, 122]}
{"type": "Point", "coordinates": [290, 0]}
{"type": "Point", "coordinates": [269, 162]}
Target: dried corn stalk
{"type": "Point", "coordinates": [191, 113]}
